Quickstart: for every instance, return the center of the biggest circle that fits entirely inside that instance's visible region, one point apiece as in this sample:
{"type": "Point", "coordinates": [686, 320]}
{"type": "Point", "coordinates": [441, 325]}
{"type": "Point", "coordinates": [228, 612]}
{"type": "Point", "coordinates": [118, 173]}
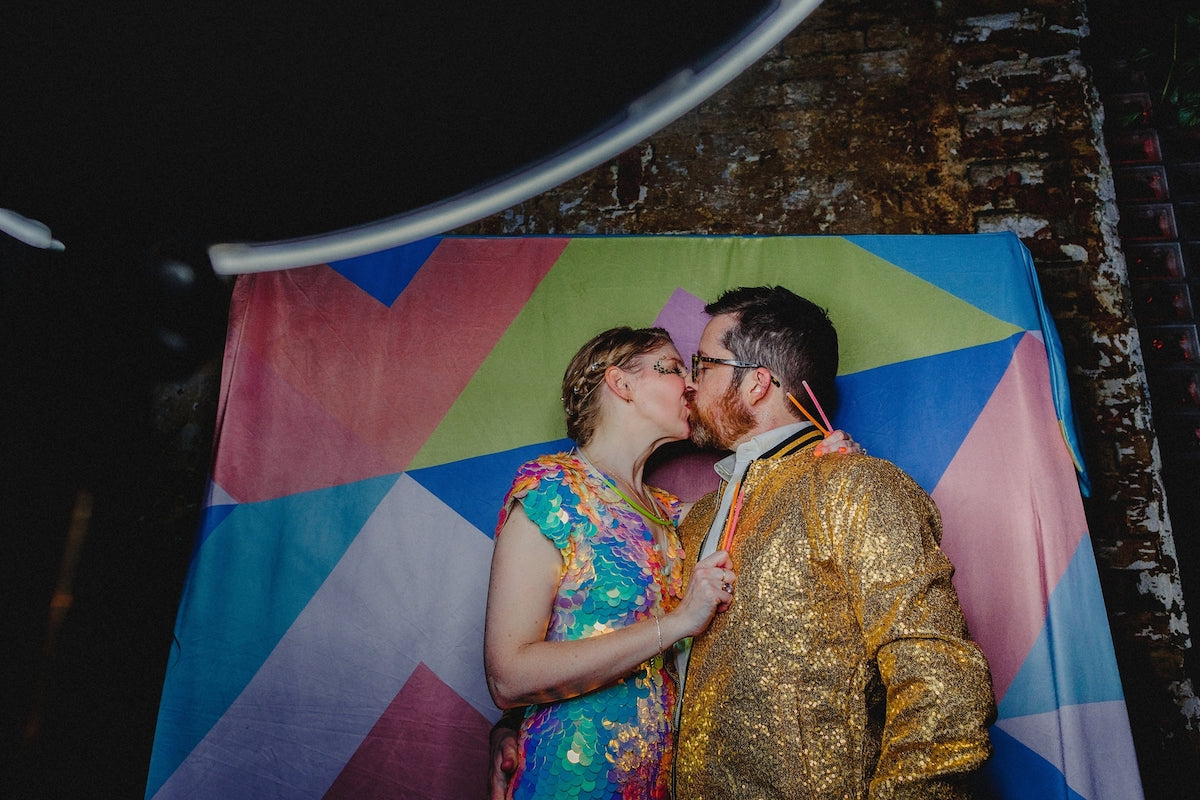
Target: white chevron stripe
{"type": "Point", "coordinates": [1090, 744]}
{"type": "Point", "coordinates": [410, 588]}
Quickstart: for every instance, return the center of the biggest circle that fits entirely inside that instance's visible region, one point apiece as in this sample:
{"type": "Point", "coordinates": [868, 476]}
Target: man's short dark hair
{"type": "Point", "coordinates": [786, 333]}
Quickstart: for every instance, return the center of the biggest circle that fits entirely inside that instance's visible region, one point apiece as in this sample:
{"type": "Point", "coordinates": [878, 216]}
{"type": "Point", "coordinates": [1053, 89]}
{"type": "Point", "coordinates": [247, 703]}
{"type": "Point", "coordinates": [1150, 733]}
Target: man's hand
{"type": "Point", "coordinates": [503, 763]}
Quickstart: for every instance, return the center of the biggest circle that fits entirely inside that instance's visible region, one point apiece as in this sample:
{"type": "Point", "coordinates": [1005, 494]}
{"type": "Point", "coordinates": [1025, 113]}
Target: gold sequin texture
{"type": "Point", "coordinates": [843, 667]}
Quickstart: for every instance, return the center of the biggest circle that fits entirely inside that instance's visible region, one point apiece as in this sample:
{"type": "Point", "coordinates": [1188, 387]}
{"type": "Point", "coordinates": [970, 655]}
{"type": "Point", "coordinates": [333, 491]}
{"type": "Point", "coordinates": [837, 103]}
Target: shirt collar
{"type": "Point", "coordinates": [734, 465]}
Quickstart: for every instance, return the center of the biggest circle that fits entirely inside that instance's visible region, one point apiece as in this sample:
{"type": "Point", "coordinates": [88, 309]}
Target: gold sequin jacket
{"type": "Point", "coordinates": [843, 668]}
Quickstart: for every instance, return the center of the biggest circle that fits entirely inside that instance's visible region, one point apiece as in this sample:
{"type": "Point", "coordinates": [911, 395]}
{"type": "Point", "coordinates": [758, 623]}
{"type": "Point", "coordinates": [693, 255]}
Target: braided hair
{"type": "Point", "coordinates": [615, 347]}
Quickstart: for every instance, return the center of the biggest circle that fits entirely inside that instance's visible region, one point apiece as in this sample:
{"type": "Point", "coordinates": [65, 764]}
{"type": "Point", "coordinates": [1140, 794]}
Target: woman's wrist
{"type": "Point", "coordinates": [671, 628]}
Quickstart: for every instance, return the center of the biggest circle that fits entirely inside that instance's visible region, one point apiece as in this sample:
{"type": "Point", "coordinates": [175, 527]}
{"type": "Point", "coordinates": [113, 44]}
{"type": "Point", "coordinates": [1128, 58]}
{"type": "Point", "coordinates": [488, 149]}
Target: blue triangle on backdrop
{"type": "Point", "coordinates": [475, 487]}
{"type": "Point", "coordinates": [1016, 772]}
{"type": "Point", "coordinates": [922, 447]}
{"type": "Point", "coordinates": [213, 517]}
{"type": "Point", "coordinates": [1072, 661]}
{"type": "Point", "coordinates": [384, 275]}
{"type": "Point", "coordinates": [226, 602]}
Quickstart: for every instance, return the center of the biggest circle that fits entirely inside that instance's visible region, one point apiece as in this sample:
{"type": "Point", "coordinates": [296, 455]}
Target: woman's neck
{"type": "Point", "coordinates": [619, 461]}
{"type": "Point", "coordinates": [621, 465]}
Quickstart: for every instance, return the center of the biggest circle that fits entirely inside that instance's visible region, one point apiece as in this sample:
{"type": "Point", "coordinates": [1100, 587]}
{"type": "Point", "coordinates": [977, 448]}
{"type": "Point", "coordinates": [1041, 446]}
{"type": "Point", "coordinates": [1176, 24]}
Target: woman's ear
{"type": "Point", "coordinates": [618, 381]}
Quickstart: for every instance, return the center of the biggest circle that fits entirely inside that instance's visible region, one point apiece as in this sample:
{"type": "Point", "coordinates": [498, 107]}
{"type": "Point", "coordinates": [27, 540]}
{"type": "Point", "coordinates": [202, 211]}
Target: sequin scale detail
{"type": "Point", "coordinates": [843, 669]}
{"type": "Point", "coordinates": [614, 742]}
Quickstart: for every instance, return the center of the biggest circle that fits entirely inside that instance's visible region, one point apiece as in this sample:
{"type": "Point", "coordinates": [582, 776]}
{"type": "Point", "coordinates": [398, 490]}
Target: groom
{"type": "Point", "coordinates": [843, 667]}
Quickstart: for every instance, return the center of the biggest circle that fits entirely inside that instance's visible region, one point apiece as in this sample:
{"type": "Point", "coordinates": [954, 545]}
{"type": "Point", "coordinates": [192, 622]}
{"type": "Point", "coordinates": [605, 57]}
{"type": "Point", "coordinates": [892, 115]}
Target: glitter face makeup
{"type": "Point", "coordinates": [671, 367]}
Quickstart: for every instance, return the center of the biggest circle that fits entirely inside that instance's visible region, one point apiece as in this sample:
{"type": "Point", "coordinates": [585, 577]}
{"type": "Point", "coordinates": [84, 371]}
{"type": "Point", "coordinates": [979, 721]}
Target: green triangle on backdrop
{"type": "Point", "coordinates": [884, 314]}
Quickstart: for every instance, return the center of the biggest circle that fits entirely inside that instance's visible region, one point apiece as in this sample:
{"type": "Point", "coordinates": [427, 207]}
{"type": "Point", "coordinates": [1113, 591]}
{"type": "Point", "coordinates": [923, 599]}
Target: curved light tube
{"type": "Point", "coordinates": [644, 116]}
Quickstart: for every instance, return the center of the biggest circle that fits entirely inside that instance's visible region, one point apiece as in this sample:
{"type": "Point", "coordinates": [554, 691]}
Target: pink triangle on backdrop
{"type": "Point", "coordinates": [429, 744]}
{"type": "Point", "coordinates": [682, 469]}
{"type": "Point", "coordinates": [1009, 556]}
{"type": "Point", "coordinates": [311, 450]}
{"type": "Point", "coordinates": [347, 360]}
{"type": "Point", "coordinates": [684, 318]}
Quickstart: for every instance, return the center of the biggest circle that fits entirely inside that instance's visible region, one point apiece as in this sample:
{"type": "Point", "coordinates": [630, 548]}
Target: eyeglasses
{"type": "Point", "coordinates": [731, 362]}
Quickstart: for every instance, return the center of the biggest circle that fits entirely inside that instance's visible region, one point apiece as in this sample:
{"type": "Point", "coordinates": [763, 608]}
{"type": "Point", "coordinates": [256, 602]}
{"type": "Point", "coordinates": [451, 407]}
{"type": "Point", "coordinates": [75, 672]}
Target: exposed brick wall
{"type": "Point", "coordinates": [945, 117]}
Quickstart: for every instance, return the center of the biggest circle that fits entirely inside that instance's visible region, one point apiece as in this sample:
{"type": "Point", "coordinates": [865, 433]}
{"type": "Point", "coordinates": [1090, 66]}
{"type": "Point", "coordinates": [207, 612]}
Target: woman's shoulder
{"type": "Point", "coordinates": [538, 480]}
{"type": "Point", "coordinates": [549, 474]}
{"type": "Point", "coordinates": [668, 500]}
{"type": "Point", "coordinates": [545, 487]}
{"type": "Point", "coordinates": [553, 466]}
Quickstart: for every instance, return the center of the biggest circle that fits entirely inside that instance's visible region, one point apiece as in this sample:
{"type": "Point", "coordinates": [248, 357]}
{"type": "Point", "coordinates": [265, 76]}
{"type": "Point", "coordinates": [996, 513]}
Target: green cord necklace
{"type": "Point", "coordinates": [635, 505]}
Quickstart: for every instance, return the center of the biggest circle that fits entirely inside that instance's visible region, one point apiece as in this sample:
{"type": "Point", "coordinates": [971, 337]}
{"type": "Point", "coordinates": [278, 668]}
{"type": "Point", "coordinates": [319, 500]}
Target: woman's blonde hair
{"type": "Point", "coordinates": [615, 347]}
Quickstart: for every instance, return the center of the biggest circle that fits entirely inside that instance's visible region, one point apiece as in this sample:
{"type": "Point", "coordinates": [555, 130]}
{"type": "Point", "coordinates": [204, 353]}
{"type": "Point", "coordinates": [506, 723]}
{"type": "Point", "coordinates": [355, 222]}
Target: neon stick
{"type": "Point", "coordinates": [804, 411]}
{"type": "Point", "coordinates": [816, 403]}
{"type": "Point", "coordinates": [727, 538]}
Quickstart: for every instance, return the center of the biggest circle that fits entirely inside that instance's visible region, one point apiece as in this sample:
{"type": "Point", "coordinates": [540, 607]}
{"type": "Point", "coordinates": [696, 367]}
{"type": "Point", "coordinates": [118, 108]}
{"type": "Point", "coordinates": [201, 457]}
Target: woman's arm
{"type": "Point", "coordinates": [522, 667]}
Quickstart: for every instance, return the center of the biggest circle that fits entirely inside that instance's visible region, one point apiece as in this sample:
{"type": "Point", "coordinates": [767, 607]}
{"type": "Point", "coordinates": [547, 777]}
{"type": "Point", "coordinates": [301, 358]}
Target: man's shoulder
{"type": "Point", "coordinates": [843, 468]}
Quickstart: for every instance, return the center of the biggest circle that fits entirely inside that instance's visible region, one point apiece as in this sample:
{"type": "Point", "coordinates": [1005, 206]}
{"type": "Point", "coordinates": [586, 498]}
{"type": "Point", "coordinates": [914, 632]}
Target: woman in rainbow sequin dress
{"type": "Point", "coordinates": [585, 601]}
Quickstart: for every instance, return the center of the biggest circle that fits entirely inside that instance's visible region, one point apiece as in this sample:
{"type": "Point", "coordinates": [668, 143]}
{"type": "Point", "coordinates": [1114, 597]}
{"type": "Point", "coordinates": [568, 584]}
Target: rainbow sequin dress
{"type": "Point", "coordinates": [614, 742]}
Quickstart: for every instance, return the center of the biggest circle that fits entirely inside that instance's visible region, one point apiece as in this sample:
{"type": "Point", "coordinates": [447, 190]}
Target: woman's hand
{"type": "Point", "coordinates": [503, 744]}
{"type": "Point", "coordinates": [709, 592]}
{"type": "Point", "coordinates": [838, 442]}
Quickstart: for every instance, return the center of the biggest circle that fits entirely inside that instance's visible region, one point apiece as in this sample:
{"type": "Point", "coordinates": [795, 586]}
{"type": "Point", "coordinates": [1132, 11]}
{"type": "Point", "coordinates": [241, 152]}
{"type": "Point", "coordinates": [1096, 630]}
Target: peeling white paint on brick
{"type": "Point", "coordinates": [891, 62]}
{"type": "Point", "coordinates": [514, 221]}
{"type": "Point", "coordinates": [796, 199]}
{"type": "Point", "coordinates": [1050, 69]}
{"type": "Point", "coordinates": [1023, 225]}
{"type": "Point", "coordinates": [1030, 173]}
{"type": "Point", "coordinates": [1002, 119]}
{"type": "Point", "coordinates": [980, 29]}
{"type": "Point", "coordinates": [1185, 696]}
{"type": "Point", "coordinates": [1074, 252]}
{"type": "Point", "coordinates": [1081, 32]}
{"type": "Point", "coordinates": [1164, 588]}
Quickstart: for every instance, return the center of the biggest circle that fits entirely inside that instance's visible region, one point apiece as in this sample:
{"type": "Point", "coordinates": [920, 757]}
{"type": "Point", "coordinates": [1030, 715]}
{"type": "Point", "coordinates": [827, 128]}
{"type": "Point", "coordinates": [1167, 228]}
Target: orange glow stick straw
{"type": "Point", "coordinates": [804, 411]}
{"type": "Point", "coordinates": [727, 536]}
{"type": "Point", "coordinates": [816, 403]}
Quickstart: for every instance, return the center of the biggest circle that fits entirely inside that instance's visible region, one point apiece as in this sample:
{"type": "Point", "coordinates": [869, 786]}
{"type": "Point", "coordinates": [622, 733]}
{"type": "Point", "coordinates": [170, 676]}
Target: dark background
{"type": "Point", "coordinates": [229, 121]}
{"type": "Point", "coordinates": [140, 136]}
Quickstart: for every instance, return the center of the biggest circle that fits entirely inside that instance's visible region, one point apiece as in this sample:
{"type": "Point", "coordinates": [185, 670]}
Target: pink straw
{"type": "Point", "coordinates": [816, 403]}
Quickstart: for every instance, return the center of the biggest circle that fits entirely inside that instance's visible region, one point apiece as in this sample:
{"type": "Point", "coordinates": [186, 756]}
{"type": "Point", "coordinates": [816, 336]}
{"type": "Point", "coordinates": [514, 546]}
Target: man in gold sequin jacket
{"type": "Point", "coordinates": [843, 668]}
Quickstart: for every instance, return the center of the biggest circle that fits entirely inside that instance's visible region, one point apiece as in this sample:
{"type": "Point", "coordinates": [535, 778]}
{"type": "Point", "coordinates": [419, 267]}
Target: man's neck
{"type": "Point", "coordinates": [769, 415]}
{"type": "Point", "coordinates": [752, 447]}
{"type": "Point", "coordinates": [766, 430]}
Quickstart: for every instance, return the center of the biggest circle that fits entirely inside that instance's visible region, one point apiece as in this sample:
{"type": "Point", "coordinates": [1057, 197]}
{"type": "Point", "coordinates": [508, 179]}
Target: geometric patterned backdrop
{"type": "Point", "coordinates": [373, 411]}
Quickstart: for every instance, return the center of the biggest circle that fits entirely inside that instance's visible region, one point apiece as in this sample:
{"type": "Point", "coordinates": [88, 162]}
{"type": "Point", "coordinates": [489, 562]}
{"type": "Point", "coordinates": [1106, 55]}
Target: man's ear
{"type": "Point", "coordinates": [758, 388]}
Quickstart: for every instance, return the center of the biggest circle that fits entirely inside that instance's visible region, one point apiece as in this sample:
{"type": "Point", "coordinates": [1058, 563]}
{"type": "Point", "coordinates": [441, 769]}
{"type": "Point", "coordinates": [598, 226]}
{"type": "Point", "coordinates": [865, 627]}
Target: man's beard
{"type": "Point", "coordinates": [730, 422]}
